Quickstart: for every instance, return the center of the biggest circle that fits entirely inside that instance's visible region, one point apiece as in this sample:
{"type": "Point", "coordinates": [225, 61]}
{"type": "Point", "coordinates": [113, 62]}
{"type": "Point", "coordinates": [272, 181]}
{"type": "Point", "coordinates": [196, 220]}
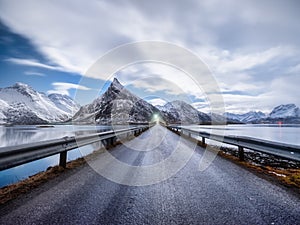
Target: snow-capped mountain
{"type": "Point", "coordinates": [285, 111]}
{"type": "Point", "coordinates": [249, 117]}
{"type": "Point", "coordinates": [182, 112]}
{"type": "Point", "coordinates": [160, 107]}
{"type": "Point", "coordinates": [65, 103]}
{"type": "Point", "coordinates": [252, 116]}
{"type": "Point", "coordinates": [21, 104]}
{"type": "Point", "coordinates": [3, 107]}
{"type": "Point", "coordinates": [232, 116]}
{"type": "Point", "coordinates": [117, 106]}
{"type": "Point", "coordinates": [288, 113]}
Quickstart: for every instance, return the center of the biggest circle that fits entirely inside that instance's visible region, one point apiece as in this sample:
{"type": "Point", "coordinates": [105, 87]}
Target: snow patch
{"type": "Point", "coordinates": [21, 104]}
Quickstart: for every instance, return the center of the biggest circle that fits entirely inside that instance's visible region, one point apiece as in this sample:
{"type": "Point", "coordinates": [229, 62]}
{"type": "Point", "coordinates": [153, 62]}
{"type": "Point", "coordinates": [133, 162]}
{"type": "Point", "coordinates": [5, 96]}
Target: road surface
{"type": "Point", "coordinates": [222, 194]}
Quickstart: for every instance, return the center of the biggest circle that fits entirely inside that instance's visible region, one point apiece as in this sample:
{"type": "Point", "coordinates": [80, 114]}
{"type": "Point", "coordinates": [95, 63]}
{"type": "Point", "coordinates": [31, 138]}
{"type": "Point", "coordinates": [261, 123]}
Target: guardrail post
{"type": "Point", "coordinates": [203, 140]}
{"type": "Point", "coordinates": [241, 153]}
{"type": "Point", "coordinates": [104, 142]}
{"type": "Point", "coordinates": [63, 159]}
{"type": "Point", "coordinates": [111, 141]}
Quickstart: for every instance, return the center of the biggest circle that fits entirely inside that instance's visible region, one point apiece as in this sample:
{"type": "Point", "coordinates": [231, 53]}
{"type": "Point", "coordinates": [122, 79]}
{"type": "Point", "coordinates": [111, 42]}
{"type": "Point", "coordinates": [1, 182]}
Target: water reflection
{"type": "Point", "coordinates": [16, 135]}
{"type": "Point", "coordinates": [289, 133]}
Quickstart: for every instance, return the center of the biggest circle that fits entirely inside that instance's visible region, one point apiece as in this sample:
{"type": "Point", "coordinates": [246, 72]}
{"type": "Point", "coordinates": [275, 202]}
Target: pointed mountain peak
{"type": "Point", "coordinates": [19, 84]}
{"type": "Point", "coordinates": [22, 87]}
{"type": "Point", "coordinates": [116, 83]}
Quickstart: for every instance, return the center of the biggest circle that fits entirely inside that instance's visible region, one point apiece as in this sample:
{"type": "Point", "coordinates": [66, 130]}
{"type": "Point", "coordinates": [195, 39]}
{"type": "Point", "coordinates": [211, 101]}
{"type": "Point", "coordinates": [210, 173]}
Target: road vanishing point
{"type": "Point", "coordinates": [224, 193]}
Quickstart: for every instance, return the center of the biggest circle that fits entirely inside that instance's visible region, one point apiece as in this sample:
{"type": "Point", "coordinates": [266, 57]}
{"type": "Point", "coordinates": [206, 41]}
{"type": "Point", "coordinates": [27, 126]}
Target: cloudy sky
{"type": "Point", "coordinates": [251, 47]}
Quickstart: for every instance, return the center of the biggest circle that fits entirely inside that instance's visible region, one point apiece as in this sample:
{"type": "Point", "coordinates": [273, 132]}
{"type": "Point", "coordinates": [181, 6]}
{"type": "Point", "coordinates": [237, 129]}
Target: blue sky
{"type": "Point", "coordinates": [251, 47]}
{"type": "Point", "coordinates": [33, 68]}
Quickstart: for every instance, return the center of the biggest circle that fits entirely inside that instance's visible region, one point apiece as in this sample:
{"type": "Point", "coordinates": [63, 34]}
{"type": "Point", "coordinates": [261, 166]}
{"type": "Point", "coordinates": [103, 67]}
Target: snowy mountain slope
{"type": "Point", "coordinates": [232, 116]}
{"type": "Point", "coordinates": [285, 111]}
{"type": "Point", "coordinates": [182, 112]}
{"type": "Point", "coordinates": [118, 106]}
{"type": "Point", "coordinates": [288, 113]}
{"type": "Point", "coordinates": [3, 107]}
{"type": "Point", "coordinates": [252, 116]}
{"type": "Point", "coordinates": [283, 114]}
{"type": "Point", "coordinates": [160, 107]}
{"type": "Point", "coordinates": [248, 117]}
{"type": "Point", "coordinates": [65, 103]}
{"type": "Point", "coordinates": [21, 104]}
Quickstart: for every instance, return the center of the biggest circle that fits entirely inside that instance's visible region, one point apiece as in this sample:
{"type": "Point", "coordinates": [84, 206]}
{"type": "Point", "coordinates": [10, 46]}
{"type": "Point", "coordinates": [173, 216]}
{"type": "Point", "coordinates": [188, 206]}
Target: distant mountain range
{"type": "Point", "coordinates": [246, 117]}
{"type": "Point", "coordinates": [21, 104]}
{"type": "Point", "coordinates": [180, 111]}
{"type": "Point", "coordinates": [287, 114]}
{"type": "Point", "coordinates": [118, 106]}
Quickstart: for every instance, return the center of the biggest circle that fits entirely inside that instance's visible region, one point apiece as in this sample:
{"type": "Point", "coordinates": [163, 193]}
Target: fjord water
{"type": "Point", "coordinates": [289, 133]}
{"type": "Point", "coordinates": [15, 135]}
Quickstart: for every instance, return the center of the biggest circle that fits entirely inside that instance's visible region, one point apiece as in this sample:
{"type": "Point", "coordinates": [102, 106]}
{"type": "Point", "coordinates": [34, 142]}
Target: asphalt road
{"type": "Point", "coordinates": [224, 193]}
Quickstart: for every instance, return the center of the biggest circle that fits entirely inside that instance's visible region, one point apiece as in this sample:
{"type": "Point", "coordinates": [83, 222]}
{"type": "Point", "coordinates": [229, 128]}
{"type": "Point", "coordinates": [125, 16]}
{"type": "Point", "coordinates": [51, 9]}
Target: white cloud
{"type": "Point", "coordinates": [155, 77]}
{"type": "Point", "coordinates": [157, 101]}
{"type": "Point", "coordinates": [201, 106]}
{"type": "Point", "coordinates": [294, 69]}
{"type": "Point", "coordinates": [79, 34]}
{"type": "Point", "coordinates": [33, 73]}
{"type": "Point", "coordinates": [280, 90]}
{"type": "Point", "coordinates": [33, 63]}
{"type": "Point", "coordinates": [63, 88]}
{"type": "Point", "coordinates": [238, 62]}
{"type": "Point", "coordinates": [237, 39]}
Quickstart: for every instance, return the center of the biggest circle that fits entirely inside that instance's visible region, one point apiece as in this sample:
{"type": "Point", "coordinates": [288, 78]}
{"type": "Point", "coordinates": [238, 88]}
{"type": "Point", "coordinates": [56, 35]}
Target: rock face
{"type": "Point", "coordinates": [182, 112]}
{"type": "Point", "coordinates": [21, 104]}
{"type": "Point", "coordinates": [116, 106]}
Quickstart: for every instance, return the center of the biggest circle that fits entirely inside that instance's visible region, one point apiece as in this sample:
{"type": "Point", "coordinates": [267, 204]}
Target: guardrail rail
{"type": "Point", "coordinates": [283, 150]}
{"type": "Point", "coordinates": [17, 155]}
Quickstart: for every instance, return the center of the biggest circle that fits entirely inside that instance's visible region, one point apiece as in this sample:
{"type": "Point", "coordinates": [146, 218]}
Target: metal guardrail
{"type": "Point", "coordinates": [287, 151]}
{"type": "Point", "coordinates": [17, 155]}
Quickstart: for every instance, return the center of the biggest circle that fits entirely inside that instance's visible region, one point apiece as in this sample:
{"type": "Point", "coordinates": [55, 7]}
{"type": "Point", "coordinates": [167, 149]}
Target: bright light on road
{"type": "Point", "coordinates": [155, 117]}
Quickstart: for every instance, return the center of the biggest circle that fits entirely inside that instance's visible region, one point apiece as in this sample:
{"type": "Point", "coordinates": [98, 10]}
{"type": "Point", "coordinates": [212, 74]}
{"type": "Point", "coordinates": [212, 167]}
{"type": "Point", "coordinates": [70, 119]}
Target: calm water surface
{"type": "Point", "coordinates": [16, 135]}
{"type": "Point", "coordinates": [289, 134]}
